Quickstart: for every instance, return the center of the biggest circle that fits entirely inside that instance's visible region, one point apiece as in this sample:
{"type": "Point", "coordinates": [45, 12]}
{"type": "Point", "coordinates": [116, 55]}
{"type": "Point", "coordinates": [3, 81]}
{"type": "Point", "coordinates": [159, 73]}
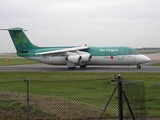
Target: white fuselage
{"type": "Point", "coordinates": [96, 60]}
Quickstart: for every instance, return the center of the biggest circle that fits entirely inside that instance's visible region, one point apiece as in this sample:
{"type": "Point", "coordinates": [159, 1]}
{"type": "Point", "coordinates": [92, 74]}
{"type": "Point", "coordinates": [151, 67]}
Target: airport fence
{"type": "Point", "coordinates": [93, 99]}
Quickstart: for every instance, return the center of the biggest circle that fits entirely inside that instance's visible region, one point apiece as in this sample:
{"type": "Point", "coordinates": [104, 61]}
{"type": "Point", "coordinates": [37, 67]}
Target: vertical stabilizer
{"type": "Point", "coordinates": [20, 40]}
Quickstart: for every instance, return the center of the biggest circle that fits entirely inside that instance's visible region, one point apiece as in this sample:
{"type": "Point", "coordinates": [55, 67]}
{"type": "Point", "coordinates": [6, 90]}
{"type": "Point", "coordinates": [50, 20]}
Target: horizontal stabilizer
{"type": "Point", "coordinates": [14, 29]}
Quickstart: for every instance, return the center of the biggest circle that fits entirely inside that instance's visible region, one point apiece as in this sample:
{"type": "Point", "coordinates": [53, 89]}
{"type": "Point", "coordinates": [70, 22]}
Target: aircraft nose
{"type": "Point", "coordinates": [146, 59]}
{"type": "Point", "coordinates": [143, 59]}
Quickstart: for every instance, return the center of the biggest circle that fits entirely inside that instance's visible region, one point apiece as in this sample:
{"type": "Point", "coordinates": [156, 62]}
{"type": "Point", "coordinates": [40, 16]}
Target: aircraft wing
{"type": "Point", "coordinates": [65, 50]}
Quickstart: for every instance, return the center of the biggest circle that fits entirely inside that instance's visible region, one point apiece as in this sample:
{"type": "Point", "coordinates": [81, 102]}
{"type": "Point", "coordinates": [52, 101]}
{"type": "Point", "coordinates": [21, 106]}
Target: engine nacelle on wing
{"type": "Point", "coordinates": [86, 57]}
{"type": "Point", "coordinates": [74, 58]}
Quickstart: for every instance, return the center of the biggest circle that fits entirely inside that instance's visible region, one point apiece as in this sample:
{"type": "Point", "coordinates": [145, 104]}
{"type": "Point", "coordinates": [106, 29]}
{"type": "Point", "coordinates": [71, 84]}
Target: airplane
{"type": "Point", "coordinates": [73, 56]}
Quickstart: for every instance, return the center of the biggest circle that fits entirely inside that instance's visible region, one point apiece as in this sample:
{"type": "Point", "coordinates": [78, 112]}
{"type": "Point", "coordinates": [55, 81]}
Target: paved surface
{"type": "Point", "coordinates": [50, 68]}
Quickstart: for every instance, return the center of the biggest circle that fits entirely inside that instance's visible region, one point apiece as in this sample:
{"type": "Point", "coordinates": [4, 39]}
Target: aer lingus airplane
{"type": "Point", "coordinates": [73, 56]}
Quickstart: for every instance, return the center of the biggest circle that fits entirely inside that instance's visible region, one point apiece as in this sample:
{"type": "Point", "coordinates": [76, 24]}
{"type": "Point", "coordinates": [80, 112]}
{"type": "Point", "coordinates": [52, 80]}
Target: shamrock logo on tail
{"type": "Point", "coordinates": [19, 39]}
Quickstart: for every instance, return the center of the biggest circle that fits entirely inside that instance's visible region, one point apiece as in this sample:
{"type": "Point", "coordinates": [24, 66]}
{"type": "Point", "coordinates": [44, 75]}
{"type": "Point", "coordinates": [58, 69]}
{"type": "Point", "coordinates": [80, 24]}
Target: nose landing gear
{"type": "Point", "coordinates": [138, 66]}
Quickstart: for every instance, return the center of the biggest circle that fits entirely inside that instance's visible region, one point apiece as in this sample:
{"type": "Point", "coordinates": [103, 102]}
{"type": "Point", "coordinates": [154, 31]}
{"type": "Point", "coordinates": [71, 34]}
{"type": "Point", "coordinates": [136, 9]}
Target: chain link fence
{"type": "Point", "coordinates": [94, 99]}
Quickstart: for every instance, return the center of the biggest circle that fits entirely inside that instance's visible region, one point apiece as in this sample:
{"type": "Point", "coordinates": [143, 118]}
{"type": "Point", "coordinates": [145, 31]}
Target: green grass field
{"type": "Point", "coordinates": [149, 51]}
{"type": "Point", "coordinates": [15, 61]}
{"type": "Point", "coordinates": [156, 64]}
{"type": "Point", "coordinates": [145, 77]}
{"type": "Point", "coordinates": [91, 89]}
{"type": "Point", "coordinates": [73, 90]}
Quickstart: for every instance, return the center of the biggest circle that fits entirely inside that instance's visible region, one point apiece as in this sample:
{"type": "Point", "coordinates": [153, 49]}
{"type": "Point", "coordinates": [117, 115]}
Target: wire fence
{"type": "Point", "coordinates": [78, 100]}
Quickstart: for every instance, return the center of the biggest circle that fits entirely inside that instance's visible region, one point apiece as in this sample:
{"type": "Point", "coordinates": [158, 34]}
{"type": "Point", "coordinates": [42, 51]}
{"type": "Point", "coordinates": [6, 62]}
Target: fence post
{"type": "Point", "coordinates": [120, 98]}
{"type": "Point", "coordinates": [27, 88]}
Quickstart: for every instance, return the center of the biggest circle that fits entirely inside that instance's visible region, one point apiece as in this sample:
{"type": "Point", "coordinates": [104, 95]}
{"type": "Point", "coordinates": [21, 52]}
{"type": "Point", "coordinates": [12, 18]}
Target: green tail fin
{"type": "Point", "coordinates": [20, 40]}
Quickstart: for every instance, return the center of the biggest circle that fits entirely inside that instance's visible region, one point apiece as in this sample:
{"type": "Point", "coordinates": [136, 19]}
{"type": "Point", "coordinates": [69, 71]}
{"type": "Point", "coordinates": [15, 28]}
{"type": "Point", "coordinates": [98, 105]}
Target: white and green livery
{"type": "Point", "coordinates": [73, 56]}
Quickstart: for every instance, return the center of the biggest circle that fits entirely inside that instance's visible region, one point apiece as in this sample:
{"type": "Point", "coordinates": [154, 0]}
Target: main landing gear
{"type": "Point", "coordinates": [83, 66]}
{"type": "Point", "coordinates": [138, 66]}
{"type": "Point", "coordinates": [71, 68]}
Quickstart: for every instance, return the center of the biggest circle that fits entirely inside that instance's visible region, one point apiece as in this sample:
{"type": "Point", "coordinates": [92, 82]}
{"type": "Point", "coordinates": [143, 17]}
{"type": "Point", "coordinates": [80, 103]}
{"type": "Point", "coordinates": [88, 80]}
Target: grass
{"type": "Point", "coordinates": [156, 64]}
{"type": "Point", "coordinates": [15, 61]}
{"type": "Point", "coordinates": [13, 110]}
{"type": "Point", "coordinates": [148, 51]}
{"type": "Point", "coordinates": [92, 89]}
{"type": "Point", "coordinates": [67, 76]}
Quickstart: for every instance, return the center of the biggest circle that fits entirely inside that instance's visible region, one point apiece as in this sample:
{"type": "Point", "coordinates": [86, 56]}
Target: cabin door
{"type": "Point", "coordinates": [121, 53]}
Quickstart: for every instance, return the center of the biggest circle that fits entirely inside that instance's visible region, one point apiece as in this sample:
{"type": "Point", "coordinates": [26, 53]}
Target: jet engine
{"type": "Point", "coordinates": [74, 58]}
{"type": "Point", "coordinates": [85, 56]}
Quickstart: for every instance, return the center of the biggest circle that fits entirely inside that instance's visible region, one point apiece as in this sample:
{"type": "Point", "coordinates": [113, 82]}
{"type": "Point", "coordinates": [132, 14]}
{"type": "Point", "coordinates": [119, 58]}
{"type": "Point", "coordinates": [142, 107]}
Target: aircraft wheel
{"type": "Point", "coordinates": [71, 68]}
{"type": "Point", "coordinates": [83, 66]}
{"type": "Point", "coordinates": [138, 67]}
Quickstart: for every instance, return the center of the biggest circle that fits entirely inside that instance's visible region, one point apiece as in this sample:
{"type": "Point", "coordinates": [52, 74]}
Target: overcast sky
{"type": "Point", "coordinates": [134, 23]}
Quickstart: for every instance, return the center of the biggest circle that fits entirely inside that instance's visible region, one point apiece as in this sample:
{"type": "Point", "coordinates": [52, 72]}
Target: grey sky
{"type": "Point", "coordinates": [134, 23]}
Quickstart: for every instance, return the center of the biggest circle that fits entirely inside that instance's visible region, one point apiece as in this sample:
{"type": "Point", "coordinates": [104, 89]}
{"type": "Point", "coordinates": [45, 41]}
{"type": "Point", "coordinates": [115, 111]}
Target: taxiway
{"type": "Point", "coordinates": [50, 68]}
